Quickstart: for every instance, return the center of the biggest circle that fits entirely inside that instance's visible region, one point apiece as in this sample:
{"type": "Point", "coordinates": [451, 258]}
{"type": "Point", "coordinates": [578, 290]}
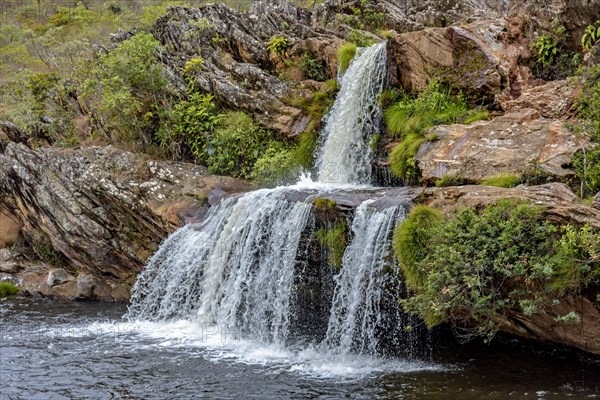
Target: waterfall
{"type": "Point", "coordinates": [345, 154]}
{"type": "Point", "coordinates": [235, 270]}
{"type": "Point", "coordinates": [355, 312]}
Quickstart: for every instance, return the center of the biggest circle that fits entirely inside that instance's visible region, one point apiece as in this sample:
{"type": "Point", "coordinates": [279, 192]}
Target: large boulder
{"type": "Point", "coordinates": [509, 144]}
{"type": "Point", "coordinates": [102, 210]}
{"type": "Point", "coordinates": [471, 57]}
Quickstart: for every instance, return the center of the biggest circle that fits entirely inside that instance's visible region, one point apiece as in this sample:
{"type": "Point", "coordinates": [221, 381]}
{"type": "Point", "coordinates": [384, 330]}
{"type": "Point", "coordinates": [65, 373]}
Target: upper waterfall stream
{"type": "Point", "coordinates": [235, 272]}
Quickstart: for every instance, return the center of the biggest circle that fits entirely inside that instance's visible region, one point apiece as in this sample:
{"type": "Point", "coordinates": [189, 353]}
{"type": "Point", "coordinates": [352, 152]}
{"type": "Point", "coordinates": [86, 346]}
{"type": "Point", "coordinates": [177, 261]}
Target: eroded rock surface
{"type": "Point", "coordinates": [104, 209]}
{"type": "Point", "coordinates": [509, 144]}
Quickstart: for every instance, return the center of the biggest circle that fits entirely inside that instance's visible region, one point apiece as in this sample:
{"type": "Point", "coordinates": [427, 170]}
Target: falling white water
{"type": "Point", "coordinates": [234, 271]}
{"type": "Point", "coordinates": [355, 314]}
{"type": "Point", "coordinates": [345, 154]}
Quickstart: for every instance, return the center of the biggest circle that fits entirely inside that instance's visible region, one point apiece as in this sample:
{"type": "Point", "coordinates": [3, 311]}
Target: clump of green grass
{"type": "Point", "coordinates": [7, 288]}
{"type": "Point", "coordinates": [335, 240]}
{"type": "Point", "coordinates": [345, 54]}
{"type": "Point", "coordinates": [435, 106]}
{"type": "Point", "coordinates": [324, 204]}
{"type": "Point", "coordinates": [503, 181]}
{"type": "Point", "coordinates": [411, 238]}
{"type": "Point", "coordinates": [201, 197]}
{"type": "Point", "coordinates": [401, 159]}
{"type": "Point", "coordinates": [450, 180]}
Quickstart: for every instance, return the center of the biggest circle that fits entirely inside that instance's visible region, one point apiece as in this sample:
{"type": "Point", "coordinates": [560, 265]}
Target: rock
{"type": "Point", "coordinates": [563, 206]}
{"type": "Point", "coordinates": [58, 276]}
{"type": "Point", "coordinates": [10, 132]}
{"type": "Point", "coordinates": [105, 210]}
{"type": "Point", "coordinates": [238, 68]}
{"type": "Point", "coordinates": [406, 16]}
{"type": "Point", "coordinates": [583, 334]}
{"type": "Point", "coordinates": [470, 57]}
{"type": "Point", "coordinates": [552, 100]}
{"type": "Point", "coordinates": [9, 228]}
{"type": "Point", "coordinates": [573, 15]}
{"type": "Point", "coordinates": [85, 285]}
{"type": "Point", "coordinates": [505, 145]}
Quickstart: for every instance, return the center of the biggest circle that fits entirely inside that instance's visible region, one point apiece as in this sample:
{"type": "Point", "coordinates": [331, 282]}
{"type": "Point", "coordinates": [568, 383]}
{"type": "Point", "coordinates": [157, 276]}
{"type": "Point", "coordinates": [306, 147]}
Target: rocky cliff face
{"type": "Point", "coordinates": [99, 210]}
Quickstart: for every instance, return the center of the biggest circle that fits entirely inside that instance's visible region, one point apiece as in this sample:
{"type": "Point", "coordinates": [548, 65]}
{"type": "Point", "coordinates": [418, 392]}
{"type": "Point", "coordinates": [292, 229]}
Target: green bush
{"type": "Point", "coordinates": [235, 145]}
{"type": "Point", "coordinates": [578, 258]}
{"type": "Point", "coordinates": [412, 238]}
{"type": "Point", "coordinates": [276, 166]}
{"type": "Point", "coordinates": [402, 162]}
{"type": "Point", "coordinates": [278, 45]}
{"type": "Point", "coordinates": [503, 181]}
{"type": "Point", "coordinates": [7, 289]}
{"type": "Point", "coordinates": [587, 168]}
{"type": "Point", "coordinates": [122, 86]}
{"type": "Point", "coordinates": [334, 240]}
{"type": "Point", "coordinates": [345, 54]}
{"type": "Point", "coordinates": [312, 68]}
{"type": "Point", "coordinates": [470, 268]}
{"type": "Point", "coordinates": [590, 36]}
{"type": "Point", "coordinates": [550, 58]}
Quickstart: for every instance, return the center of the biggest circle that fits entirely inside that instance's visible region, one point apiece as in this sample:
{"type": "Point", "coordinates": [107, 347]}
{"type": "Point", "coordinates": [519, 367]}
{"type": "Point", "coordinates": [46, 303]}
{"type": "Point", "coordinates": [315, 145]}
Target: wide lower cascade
{"type": "Point", "coordinates": [235, 270]}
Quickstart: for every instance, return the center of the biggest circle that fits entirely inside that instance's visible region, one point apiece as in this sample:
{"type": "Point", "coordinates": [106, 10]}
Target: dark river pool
{"type": "Point", "coordinates": [81, 350]}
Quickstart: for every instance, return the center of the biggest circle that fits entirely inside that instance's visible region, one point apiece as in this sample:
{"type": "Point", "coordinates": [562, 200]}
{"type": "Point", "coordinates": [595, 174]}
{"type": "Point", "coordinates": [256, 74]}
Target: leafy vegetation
{"type": "Point", "coordinates": [365, 16]}
{"type": "Point", "coordinates": [503, 181]}
{"type": "Point", "coordinates": [334, 240]}
{"type": "Point", "coordinates": [590, 36]}
{"type": "Point", "coordinates": [436, 105]}
{"type": "Point", "coordinates": [7, 289]}
{"type": "Point", "coordinates": [407, 117]}
{"type": "Point", "coordinates": [470, 268]}
{"type": "Point", "coordinates": [550, 58]}
{"type": "Point", "coordinates": [312, 68]}
{"type": "Point", "coordinates": [586, 163]}
{"type": "Point", "coordinates": [324, 204]}
{"type": "Point", "coordinates": [278, 45]}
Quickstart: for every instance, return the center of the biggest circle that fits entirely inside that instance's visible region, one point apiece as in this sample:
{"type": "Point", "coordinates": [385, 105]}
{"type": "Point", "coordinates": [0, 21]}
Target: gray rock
{"type": "Point", "coordinates": [58, 276]}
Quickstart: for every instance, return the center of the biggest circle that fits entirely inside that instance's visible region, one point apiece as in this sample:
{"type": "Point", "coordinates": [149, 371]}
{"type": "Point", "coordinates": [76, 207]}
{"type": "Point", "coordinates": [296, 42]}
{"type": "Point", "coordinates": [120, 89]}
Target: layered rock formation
{"type": "Point", "coordinates": [103, 211]}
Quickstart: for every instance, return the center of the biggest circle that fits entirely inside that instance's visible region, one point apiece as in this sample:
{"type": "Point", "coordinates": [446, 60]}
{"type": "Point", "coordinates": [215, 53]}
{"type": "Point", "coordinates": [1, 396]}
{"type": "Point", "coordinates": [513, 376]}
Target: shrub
{"type": "Point", "coordinates": [276, 166]}
{"type": "Point", "coordinates": [473, 266]}
{"type": "Point", "coordinates": [123, 84]}
{"type": "Point", "coordinates": [235, 145]}
{"type": "Point", "coordinates": [590, 36]}
{"type": "Point", "coordinates": [550, 58]}
{"type": "Point", "coordinates": [312, 68]}
{"type": "Point", "coordinates": [334, 240]}
{"type": "Point", "coordinates": [360, 39]}
{"type": "Point", "coordinates": [7, 289]}
{"type": "Point", "coordinates": [345, 54]}
{"type": "Point", "coordinates": [587, 168]}
{"type": "Point", "coordinates": [503, 181]}
{"type": "Point", "coordinates": [578, 258]}
{"type": "Point", "coordinates": [402, 162]}
{"type": "Point", "coordinates": [278, 45]}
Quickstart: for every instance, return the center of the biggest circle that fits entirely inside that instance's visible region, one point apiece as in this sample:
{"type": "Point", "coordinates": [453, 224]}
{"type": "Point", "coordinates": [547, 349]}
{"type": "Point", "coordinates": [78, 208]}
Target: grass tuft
{"type": "Point", "coordinates": [503, 181]}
